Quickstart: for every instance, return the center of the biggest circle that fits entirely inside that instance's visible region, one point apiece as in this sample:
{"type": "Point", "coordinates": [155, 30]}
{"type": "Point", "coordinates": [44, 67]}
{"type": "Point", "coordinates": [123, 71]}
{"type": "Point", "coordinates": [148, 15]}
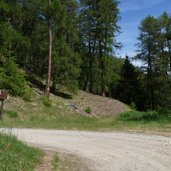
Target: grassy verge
{"type": "Point", "coordinates": [126, 121]}
{"type": "Point", "coordinates": [16, 156]}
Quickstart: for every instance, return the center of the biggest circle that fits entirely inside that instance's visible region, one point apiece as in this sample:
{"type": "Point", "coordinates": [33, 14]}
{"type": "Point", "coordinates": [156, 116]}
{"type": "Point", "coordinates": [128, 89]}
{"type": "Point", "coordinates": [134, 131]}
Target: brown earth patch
{"type": "Point", "coordinates": [97, 104]}
{"type": "Point", "coordinates": [67, 162]}
{"type": "Point", "coordinates": [46, 163]}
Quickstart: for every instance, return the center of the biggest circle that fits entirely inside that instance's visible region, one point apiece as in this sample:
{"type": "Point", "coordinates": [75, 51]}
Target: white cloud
{"type": "Point", "coordinates": [134, 5]}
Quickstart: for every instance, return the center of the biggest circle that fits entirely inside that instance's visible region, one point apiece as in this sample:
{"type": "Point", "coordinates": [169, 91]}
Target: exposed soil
{"type": "Point", "coordinates": [70, 162]}
{"type": "Point", "coordinates": [46, 163]}
{"type": "Point", "coordinates": [98, 105]}
{"type": "Point", "coordinates": [67, 162]}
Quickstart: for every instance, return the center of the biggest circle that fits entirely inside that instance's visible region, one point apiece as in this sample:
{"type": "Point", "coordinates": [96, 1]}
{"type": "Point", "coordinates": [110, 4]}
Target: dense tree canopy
{"type": "Point", "coordinates": [82, 49]}
{"type": "Point", "coordinates": [98, 29]}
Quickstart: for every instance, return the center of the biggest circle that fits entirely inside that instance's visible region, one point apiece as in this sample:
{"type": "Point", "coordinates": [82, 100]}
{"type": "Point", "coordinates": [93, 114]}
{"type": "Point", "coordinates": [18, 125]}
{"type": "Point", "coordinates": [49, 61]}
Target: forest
{"type": "Point", "coordinates": [72, 45]}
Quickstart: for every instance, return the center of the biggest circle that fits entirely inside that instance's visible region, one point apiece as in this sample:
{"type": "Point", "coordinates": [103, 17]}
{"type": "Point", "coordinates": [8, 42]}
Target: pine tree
{"type": "Point", "coordinates": [128, 89]}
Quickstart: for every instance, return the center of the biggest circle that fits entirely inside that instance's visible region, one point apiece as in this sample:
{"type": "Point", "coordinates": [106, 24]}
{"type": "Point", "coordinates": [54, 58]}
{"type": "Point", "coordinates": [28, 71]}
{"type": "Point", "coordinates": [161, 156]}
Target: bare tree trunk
{"type": "Point", "coordinates": [1, 109]}
{"type": "Point", "coordinates": [48, 83]}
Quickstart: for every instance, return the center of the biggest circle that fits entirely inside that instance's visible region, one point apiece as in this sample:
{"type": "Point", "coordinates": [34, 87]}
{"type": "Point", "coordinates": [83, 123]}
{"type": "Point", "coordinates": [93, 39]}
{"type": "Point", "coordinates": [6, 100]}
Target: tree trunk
{"type": "Point", "coordinates": [170, 59]}
{"type": "Point", "coordinates": [1, 109]}
{"type": "Point", "coordinates": [48, 83]}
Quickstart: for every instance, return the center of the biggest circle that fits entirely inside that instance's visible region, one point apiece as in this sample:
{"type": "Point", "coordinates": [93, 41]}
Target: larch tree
{"type": "Point", "coordinates": [98, 29]}
{"type": "Point", "coordinates": [147, 53]}
{"type": "Point", "coordinates": [154, 52]}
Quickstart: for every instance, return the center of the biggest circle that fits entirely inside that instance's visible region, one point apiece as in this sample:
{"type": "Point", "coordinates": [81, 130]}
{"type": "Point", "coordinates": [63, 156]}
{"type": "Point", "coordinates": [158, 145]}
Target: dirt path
{"type": "Point", "coordinates": [105, 151]}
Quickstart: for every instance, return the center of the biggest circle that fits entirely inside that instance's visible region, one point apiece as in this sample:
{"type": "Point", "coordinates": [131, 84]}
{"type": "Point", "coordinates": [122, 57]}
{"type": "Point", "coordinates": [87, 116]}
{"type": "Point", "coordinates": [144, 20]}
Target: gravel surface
{"type": "Point", "coordinates": [102, 151]}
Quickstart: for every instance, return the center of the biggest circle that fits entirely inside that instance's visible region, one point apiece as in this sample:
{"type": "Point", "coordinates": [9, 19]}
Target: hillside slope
{"type": "Point", "coordinates": [83, 111]}
{"type": "Point", "coordinates": [80, 103]}
{"type": "Point", "coordinates": [98, 105]}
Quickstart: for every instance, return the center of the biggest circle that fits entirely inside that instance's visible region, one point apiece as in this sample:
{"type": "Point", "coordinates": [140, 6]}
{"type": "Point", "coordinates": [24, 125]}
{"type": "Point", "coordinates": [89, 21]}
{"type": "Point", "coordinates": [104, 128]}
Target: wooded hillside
{"type": "Point", "coordinates": [71, 45]}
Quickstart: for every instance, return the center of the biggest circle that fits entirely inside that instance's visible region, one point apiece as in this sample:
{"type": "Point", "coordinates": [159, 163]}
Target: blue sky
{"type": "Point", "coordinates": [132, 12]}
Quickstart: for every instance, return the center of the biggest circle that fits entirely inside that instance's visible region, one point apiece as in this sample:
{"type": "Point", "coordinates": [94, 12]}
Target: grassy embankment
{"type": "Point", "coordinates": [16, 156]}
{"type": "Point", "coordinates": [54, 114]}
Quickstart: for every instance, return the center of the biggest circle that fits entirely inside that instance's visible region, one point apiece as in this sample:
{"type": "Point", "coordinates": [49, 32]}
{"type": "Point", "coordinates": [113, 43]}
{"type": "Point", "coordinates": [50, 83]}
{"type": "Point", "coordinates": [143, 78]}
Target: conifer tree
{"type": "Point", "coordinates": [147, 53]}
{"type": "Point", "coordinates": [128, 89]}
{"type": "Point", "coordinates": [154, 50]}
{"type": "Point", "coordinates": [98, 28]}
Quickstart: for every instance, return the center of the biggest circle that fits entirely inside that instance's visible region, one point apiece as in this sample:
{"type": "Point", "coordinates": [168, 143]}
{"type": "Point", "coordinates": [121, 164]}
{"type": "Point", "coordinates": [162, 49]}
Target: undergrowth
{"type": "Point", "coordinates": [139, 116]}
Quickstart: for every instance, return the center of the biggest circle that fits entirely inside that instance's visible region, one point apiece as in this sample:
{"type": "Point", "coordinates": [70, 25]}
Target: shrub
{"type": "Point", "coordinates": [164, 111]}
{"type": "Point", "coordinates": [88, 110]}
{"type": "Point", "coordinates": [28, 94]}
{"type": "Point", "coordinates": [150, 116]}
{"type": "Point", "coordinates": [139, 116]}
{"type": "Point", "coordinates": [12, 114]}
{"type": "Point", "coordinates": [46, 101]}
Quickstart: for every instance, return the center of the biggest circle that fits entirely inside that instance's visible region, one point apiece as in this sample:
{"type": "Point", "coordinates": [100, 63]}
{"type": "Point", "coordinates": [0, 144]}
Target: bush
{"type": "Point", "coordinates": [139, 116]}
{"type": "Point", "coordinates": [164, 111]}
{"type": "Point", "coordinates": [88, 110]}
{"type": "Point", "coordinates": [28, 94]}
{"type": "Point", "coordinates": [12, 114]}
{"type": "Point", "coordinates": [46, 101]}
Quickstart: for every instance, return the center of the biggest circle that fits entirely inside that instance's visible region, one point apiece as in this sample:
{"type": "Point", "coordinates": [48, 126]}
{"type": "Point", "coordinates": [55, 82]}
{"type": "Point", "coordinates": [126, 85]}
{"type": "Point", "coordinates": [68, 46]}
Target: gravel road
{"type": "Point", "coordinates": [101, 151]}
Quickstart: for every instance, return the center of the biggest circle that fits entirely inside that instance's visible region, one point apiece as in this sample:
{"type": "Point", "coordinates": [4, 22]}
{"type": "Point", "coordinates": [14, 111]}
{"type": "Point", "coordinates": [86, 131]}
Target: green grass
{"type": "Point", "coordinates": [16, 156]}
{"type": "Point", "coordinates": [55, 162]}
{"type": "Point", "coordinates": [46, 101]}
{"type": "Point", "coordinates": [73, 121]}
{"type": "Point", "coordinates": [80, 122]}
{"type": "Point", "coordinates": [12, 114]}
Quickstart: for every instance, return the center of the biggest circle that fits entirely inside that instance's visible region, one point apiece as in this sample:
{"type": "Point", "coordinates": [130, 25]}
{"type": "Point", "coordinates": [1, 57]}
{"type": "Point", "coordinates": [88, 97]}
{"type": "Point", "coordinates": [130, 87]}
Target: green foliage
{"type": "Point", "coordinates": [98, 22]}
{"type": "Point", "coordinates": [88, 110]}
{"type": "Point", "coordinates": [46, 101]}
{"type": "Point", "coordinates": [28, 94]}
{"type": "Point", "coordinates": [23, 32]}
{"type": "Point", "coordinates": [139, 116]}
{"type": "Point", "coordinates": [11, 113]}
{"type": "Point", "coordinates": [154, 48]}
{"type": "Point", "coordinates": [84, 39]}
{"type": "Point", "coordinates": [128, 89]}
{"type": "Point", "coordinates": [17, 156]}
{"type": "Point", "coordinates": [66, 61]}
{"type": "Point", "coordinates": [13, 79]}
{"type": "Point", "coordinates": [66, 70]}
